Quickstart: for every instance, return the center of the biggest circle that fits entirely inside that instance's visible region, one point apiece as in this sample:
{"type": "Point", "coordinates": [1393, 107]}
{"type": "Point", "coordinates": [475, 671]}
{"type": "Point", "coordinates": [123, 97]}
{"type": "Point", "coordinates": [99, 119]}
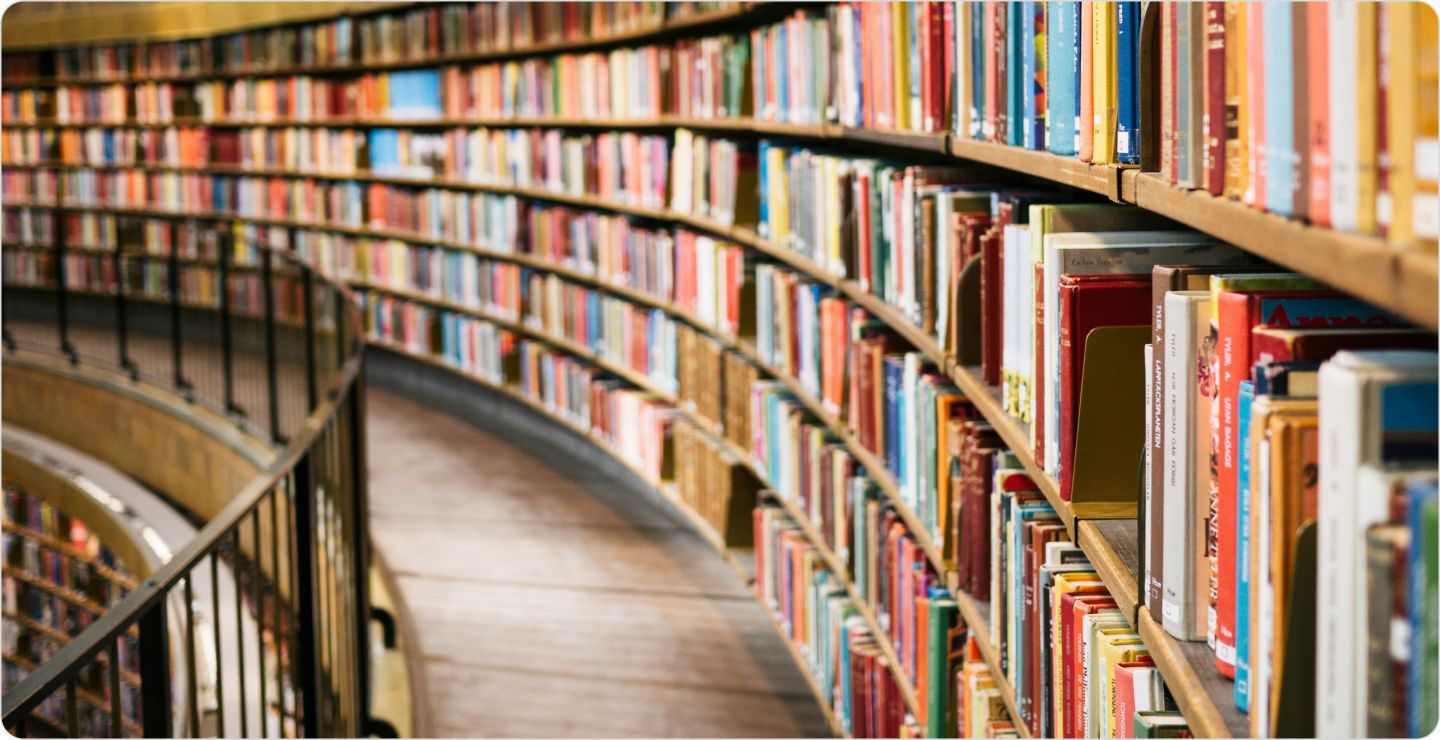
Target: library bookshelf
{"type": "Point", "coordinates": [1398, 277]}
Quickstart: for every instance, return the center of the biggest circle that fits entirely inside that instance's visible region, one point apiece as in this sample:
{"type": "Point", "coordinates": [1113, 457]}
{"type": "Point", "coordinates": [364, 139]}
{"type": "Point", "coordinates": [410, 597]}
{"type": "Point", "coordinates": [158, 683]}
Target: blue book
{"type": "Point", "coordinates": [1062, 94]}
{"type": "Point", "coordinates": [1242, 556]}
{"type": "Point", "coordinates": [762, 157]}
{"type": "Point", "coordinates": [1014, 86]}
{"type": "Point", "coordinates": [1127, 69]}
{"type": "Point", "coordinates": [415, 94]}
{"type": "Point", "coordinates": [894, 374]}
{"type": "Point", "coordinates": [977, 70]}
{"type": "Point", "coordinates": [1421, 680]}
{"type": "Point", "coordinates": [1279, 109]}
{"type": "Point", "coordinates": [384, 150]}
{"type": "Point", "coordinates": [782, 81]}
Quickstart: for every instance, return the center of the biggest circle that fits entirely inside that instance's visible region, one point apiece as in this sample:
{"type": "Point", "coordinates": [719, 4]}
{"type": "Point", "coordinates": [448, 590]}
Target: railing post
{"type": "Point", "coordinates": [360, 507]}
{"type": "Point", "coordinates": [308, 297]}
{"type": "Point", "coordinates": [122, 329]}
{"type": "Point", "coordinates": [267, 291]}
{"type": "Point", "coordinates": [176, 353]}
{"type": "Point", "coordinates": [307, 675]}
{"type": "Point", "coordinates": [227, 352]}
{"type": "Point", "coordinates": [62, 288]}
{"type": "Point", "coordinates": [155, 672]}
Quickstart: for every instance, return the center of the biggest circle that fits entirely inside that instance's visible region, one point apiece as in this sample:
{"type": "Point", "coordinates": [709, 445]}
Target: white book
{"type": "Point", "coordinates": [1013, 313]}
{"type": "Point", "coordinates": [1184, 568]}
{"type": "Point", "coordinates": [1353, 389]}
{"type": "Point", "coordinates": [1092, 683]}
{"type": "Point", "coordinates": [1106, 253]}
{"type": "Point", "coordinates": [1147, 483]}
{"type": "Point", "coordinates": [1343, 21]}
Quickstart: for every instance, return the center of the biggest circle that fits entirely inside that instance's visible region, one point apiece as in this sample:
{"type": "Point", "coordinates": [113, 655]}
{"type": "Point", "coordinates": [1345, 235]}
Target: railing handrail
{"type": "Point", "coordinates": [51, 675]}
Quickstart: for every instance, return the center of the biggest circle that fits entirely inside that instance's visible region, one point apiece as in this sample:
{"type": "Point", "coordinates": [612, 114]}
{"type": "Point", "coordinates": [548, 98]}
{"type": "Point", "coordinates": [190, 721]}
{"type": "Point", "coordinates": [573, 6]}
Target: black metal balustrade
{"type": "Point", "coordinates": [234, 323]}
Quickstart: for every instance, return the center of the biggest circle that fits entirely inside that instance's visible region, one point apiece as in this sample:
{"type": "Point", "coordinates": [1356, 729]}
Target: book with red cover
{"type": "Point", "coordinates": [1237, 314]}
{"type": "Point", "coordinates": [1088, 302]}
{"type": "Point", "coordinates": [1073, 607]}
{"type": "Point", "coordinates": [1125, 695]}
{"type": "Point", "coordinates": [1284, 344]}
{"type": "Point", "coordinates": [992, 304]}
{"type": "Point", "coordinates": [1318, 78]}
{"type": "Point", "coordinates": [1213, 146]}
{"type": "Point", "coordinates": [978, 450]}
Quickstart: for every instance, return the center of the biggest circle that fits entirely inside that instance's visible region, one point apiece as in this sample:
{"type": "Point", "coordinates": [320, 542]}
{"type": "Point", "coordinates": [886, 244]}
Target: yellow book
{"type": "Point", "coordinates": [900, 23]}
{"type": "Point", "coordinates": [833, 170]}
{"type": "Point", "coordinates": [1367, 77]}
{"type": "Point", "coordinates": [1425, 210]}
{"type": "Point", "coordinates": [778, 204]}
{"type": "Point", "coordinates": [1117, 645]}
{"type": "Point", "coordinates": [1103, 83]}
{"type": "Point", "coordinates": [1395, 209]}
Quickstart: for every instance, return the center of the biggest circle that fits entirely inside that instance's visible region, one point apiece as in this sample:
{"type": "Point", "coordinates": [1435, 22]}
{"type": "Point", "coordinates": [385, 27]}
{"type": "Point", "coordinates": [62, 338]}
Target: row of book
{"type": "Point", "coordinates": [816, 614]}
{"type": "Point", "coordinates": [59, 578]}
{"type": "Point", "coordinates": [418, 34]}
{"type": "Point", "coordinates": [196, 285]}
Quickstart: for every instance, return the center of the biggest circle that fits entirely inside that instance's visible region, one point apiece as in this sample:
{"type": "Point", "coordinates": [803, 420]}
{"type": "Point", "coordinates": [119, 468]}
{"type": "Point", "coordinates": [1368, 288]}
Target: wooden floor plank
{"type": "Point", "coordinates": [554, 601]}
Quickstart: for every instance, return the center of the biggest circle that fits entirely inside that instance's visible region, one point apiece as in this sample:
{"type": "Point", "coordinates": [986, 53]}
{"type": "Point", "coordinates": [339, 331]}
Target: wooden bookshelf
{"type": "Point", "coordinates": [975, 614]}
{"type": "Point", "coordinates": [68, 550]}
{"type": "Point", "coordinates": [1400, 278]}
{"type": "Point", "coordinates": [70, 596]}
{"type": "Point", "coordinates": [132, 729]}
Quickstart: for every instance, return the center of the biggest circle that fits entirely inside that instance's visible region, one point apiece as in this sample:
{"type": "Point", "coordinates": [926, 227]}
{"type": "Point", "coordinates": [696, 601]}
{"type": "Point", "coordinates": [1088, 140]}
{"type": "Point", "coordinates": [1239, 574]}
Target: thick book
{"type": "Point", "coordinates": [1237, 313]}
{"type": "Point", "coordinates": [1185, 487]}
{"type": "Point", "coordinates": [1127, 81]}
{"type": "Point", "coordinates": [1213, 124]}
{"type": "Point", "coordinates": [1374, 406]}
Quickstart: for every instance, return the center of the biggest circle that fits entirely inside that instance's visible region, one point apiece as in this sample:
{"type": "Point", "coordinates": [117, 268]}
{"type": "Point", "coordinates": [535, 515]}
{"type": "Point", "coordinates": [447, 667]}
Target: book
{"type": "Point", "coordinates": [1372, 387]}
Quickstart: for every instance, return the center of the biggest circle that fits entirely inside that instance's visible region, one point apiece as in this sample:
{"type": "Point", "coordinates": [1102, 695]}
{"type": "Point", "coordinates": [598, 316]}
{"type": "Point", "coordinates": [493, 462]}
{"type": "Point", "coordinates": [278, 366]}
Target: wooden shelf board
{"type": "Point", "coordinates": [1399, 278]}
{"type": "Point", "coordinates": [1069, 171]}
{"type": "Point", "coordinates": [1205, 697]}
{"type": "Point", "coordinates": [1114, 549]}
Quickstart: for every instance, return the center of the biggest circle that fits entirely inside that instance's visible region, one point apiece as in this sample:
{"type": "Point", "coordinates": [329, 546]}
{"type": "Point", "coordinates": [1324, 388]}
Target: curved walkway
{"type": "Point", "coordinates": [550, 600]}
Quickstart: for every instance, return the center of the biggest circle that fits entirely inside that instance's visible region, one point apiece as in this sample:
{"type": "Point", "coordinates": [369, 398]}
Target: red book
{"type": "Point", "coordinates": [992, 304]}
{"type": "Point", "coordinates": [1125, 695]}
{"type": "Point", "coordinates": [980, 443]}
{"type": "Point", "coordinates": [1073, 608]}
{"type": "Point", "coordinates": [1087, 83]}
{"type": "Point", "coordinates": [1317, 54]}
{"type": "Point", "coordinates": [1214, 144]}
{"type": "Point", "coordinates": [1275, 344]}
{"type": "Point", "coordinates": [1088, 302]}
{"type": "Point", "coordinates": [1237, 314]}
{"type": "Point", "coordinates": [1040, 532]}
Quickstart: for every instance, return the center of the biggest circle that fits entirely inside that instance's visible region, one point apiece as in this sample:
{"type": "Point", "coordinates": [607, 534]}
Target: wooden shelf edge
{"type": "Point", "coordinates": [1394, 277]}
{"type": "Point", "coordinates": [1117, 575]}
{"type": "Point", "coordinates": [1204, 697]}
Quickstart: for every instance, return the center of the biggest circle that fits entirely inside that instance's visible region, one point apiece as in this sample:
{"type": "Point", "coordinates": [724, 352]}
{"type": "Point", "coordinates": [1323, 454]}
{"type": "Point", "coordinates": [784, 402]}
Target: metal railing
{"type": "Point", "coordinates": [231, 321]}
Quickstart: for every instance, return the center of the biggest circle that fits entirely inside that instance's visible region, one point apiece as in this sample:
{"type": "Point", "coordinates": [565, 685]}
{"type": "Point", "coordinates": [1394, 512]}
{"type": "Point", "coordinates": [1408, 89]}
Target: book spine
{"type": "Point", "coordinates": [1342, 21]}
{"type": "Point", "coordinates": [1184, 567]}
{"type": "Point", "coordinates": [1214, 119]}
{"type": "Point", "coordinates": [1084, 123]}
{"type": "Point", "coordinates": [1255, 90]}
{"type": "Point", "coordinates": [1062, 60]}
{"type": "Point", "coordinates": [1127, 74]}
{"type": "Point", "coordinates": [1317, 62]}
{"type": "Point", "coordinates": [1279, 108]}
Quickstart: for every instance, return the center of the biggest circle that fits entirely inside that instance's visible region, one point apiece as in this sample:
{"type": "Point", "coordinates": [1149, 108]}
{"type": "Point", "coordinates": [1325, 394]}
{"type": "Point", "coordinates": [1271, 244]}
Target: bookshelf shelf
{"type": "Point", "coordinates": [71, 597]}
{"type": "Point", "coordinates": [1399, 277]}
{"type": "Point", "coordinates": [1206, 699]}
{"type": "Point", "coordinates": [642, 33]}
{"type": "Point", "coordinates": [89, 697]}
{"type": "Point", "coordinates": [68, 550]}
{"type": "Point", "coordinates": [1113, 546]}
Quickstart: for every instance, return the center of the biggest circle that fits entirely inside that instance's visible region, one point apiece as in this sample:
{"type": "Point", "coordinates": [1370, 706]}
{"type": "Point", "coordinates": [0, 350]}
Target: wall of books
{"type": "Point", "coordinates": [59, 579]}
{"type": "Point", "coordinates": [1063, 369]}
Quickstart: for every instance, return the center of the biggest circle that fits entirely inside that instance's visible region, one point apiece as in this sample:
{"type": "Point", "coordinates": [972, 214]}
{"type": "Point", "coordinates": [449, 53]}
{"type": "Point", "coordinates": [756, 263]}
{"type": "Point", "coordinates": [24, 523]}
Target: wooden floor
{"type": "Point", "coordinates": [553, 602]}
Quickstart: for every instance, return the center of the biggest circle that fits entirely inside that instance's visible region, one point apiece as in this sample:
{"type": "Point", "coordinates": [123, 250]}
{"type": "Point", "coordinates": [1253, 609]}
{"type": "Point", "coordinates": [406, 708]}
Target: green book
{"type": "Point", "coordinates": [943, 611]}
